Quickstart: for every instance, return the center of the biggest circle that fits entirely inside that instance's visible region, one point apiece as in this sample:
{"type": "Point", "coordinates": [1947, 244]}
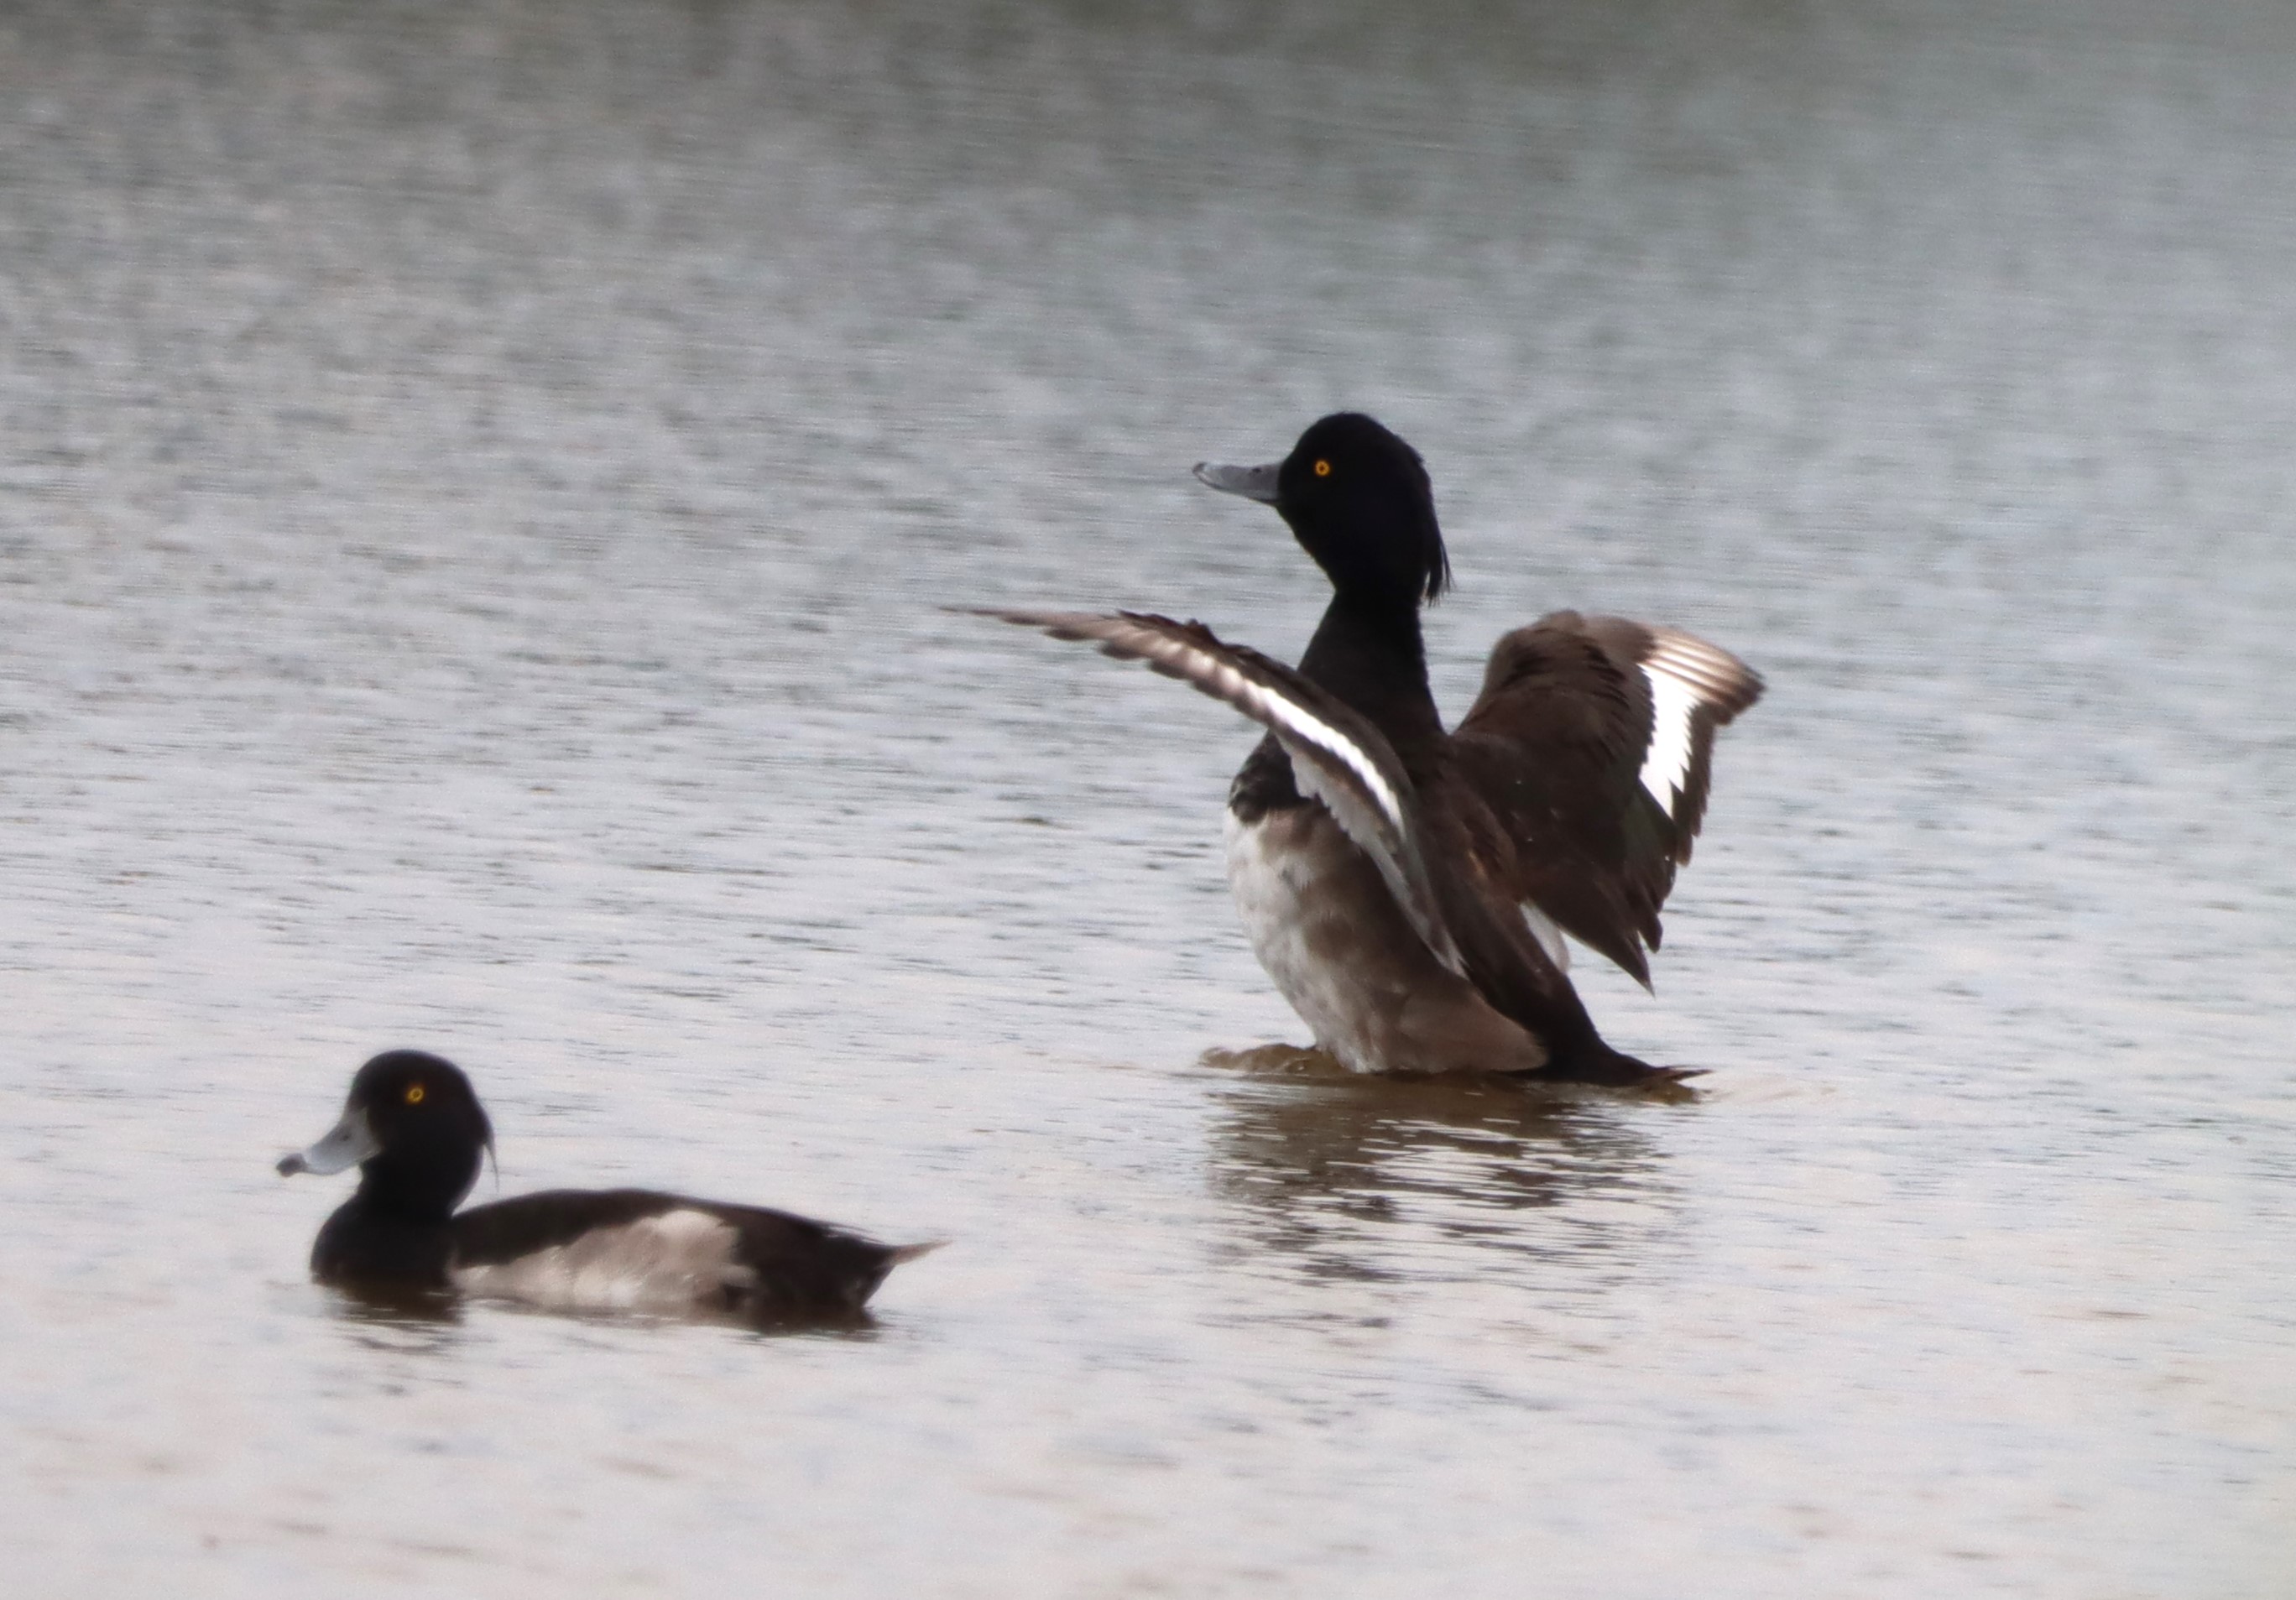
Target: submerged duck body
{"type": "Point", "coordinates": [414, 1127]}
{"type": "Point", "coordinates": [1407, 888]}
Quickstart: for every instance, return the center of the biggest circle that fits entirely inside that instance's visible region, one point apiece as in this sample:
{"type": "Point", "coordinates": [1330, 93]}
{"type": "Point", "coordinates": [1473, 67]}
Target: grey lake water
{"type": "Point", "coordinates": [479, 484]}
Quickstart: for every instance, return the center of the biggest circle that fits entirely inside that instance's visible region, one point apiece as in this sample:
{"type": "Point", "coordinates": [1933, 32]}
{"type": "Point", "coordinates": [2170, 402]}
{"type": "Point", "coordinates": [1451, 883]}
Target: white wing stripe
{"type": "Point", "coordinates": [1666, 764]}
{"type": "Point", "coordinates": [1685, 672]}
{"type": "Point", "coordinates": [1295, 719]}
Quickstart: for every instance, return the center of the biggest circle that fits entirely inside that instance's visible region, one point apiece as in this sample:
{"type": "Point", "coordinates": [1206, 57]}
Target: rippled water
{"type": "Point", "coordinates": [477, 483]}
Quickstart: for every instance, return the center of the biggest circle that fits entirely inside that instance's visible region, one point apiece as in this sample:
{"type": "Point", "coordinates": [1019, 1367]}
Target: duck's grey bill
{"type": "Point", "coordinates": [347, 1144]}
{"type": "Point", "coordinates": [1254, 483]}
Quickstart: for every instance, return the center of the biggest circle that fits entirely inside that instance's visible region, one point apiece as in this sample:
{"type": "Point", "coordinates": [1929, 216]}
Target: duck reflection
{"type": "Point", "coordinates": [398, 1318]}
{"type": "Point", "coordinates": [403, 1319]}
{"type": "Point", "coordinates": [1383, 1177]}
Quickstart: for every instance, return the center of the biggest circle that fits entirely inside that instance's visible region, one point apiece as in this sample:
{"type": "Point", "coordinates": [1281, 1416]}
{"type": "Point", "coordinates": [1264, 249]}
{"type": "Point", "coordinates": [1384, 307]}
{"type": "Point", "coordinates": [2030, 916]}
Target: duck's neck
{"type": "Point", "coordinates": [429, 1201]}
{"type": "Point", "coordinates": [1370, 655]}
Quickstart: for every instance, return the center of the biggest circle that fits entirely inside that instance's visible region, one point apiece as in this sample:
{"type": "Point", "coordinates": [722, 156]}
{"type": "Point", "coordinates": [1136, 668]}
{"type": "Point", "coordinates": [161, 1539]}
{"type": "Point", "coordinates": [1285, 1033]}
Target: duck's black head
{"type": "Point", "coordinates": [1359, 500]}
{"type": "Point", "coordinates": [413, 1128]}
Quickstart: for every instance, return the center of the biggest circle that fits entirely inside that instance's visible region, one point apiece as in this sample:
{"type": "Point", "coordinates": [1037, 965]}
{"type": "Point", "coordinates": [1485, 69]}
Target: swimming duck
{"type": "Point", "coordinates": [1407, 888]}
{"type": "Point", "coordinates": [414, 1128]}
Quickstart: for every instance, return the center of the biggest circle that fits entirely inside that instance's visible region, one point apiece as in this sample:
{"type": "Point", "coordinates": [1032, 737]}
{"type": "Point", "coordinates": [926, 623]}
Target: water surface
{"type": "Point", "coordinates": [477, 487]}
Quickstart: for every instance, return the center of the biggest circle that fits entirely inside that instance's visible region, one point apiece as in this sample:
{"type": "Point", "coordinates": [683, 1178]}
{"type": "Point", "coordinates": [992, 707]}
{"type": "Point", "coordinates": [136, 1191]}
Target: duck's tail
{"type": "Point", "coordinates": [1597, 1063]}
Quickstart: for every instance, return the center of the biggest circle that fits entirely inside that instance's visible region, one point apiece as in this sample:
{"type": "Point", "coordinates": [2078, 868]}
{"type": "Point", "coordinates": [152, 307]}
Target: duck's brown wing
{"type": "Point", "coordinates": [1593, 743]}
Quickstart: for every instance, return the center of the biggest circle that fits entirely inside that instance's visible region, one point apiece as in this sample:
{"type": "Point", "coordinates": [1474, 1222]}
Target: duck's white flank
{"type": "Point", "coordinates": [1287, 885]}
{"type": "Point", "coordinates": [1324, 924]}
{"type": "Point", "coordinates": [662, 1263]}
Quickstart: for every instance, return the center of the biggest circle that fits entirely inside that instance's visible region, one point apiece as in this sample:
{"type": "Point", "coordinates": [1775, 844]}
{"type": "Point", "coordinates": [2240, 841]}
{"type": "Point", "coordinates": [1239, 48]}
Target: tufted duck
{"type": "Point", "coordinates": [414, 1130]}
{"type": "Point", "coordinates": [1407, 888]}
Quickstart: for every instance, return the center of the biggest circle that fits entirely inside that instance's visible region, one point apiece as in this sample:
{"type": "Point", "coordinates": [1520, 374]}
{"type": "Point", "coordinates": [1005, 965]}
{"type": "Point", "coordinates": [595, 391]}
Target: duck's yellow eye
{"type": "Point", "coordinates": [413, 1094]}
{"type": "Point", "coordinates": [1322, 469]}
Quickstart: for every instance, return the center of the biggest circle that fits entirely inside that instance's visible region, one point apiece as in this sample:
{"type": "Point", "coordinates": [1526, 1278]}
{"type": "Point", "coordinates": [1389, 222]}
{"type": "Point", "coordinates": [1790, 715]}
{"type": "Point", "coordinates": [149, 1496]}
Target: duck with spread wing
{"type": "Point", "coordinates": [1407, 887]}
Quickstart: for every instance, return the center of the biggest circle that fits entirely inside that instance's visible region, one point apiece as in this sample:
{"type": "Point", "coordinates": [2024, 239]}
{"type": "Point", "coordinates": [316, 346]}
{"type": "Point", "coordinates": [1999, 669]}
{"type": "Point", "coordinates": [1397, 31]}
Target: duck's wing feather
{"type": "Point", "coordinates": [1593, 743]}
{"type": "Point", "coordinates": [1337, 755]}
